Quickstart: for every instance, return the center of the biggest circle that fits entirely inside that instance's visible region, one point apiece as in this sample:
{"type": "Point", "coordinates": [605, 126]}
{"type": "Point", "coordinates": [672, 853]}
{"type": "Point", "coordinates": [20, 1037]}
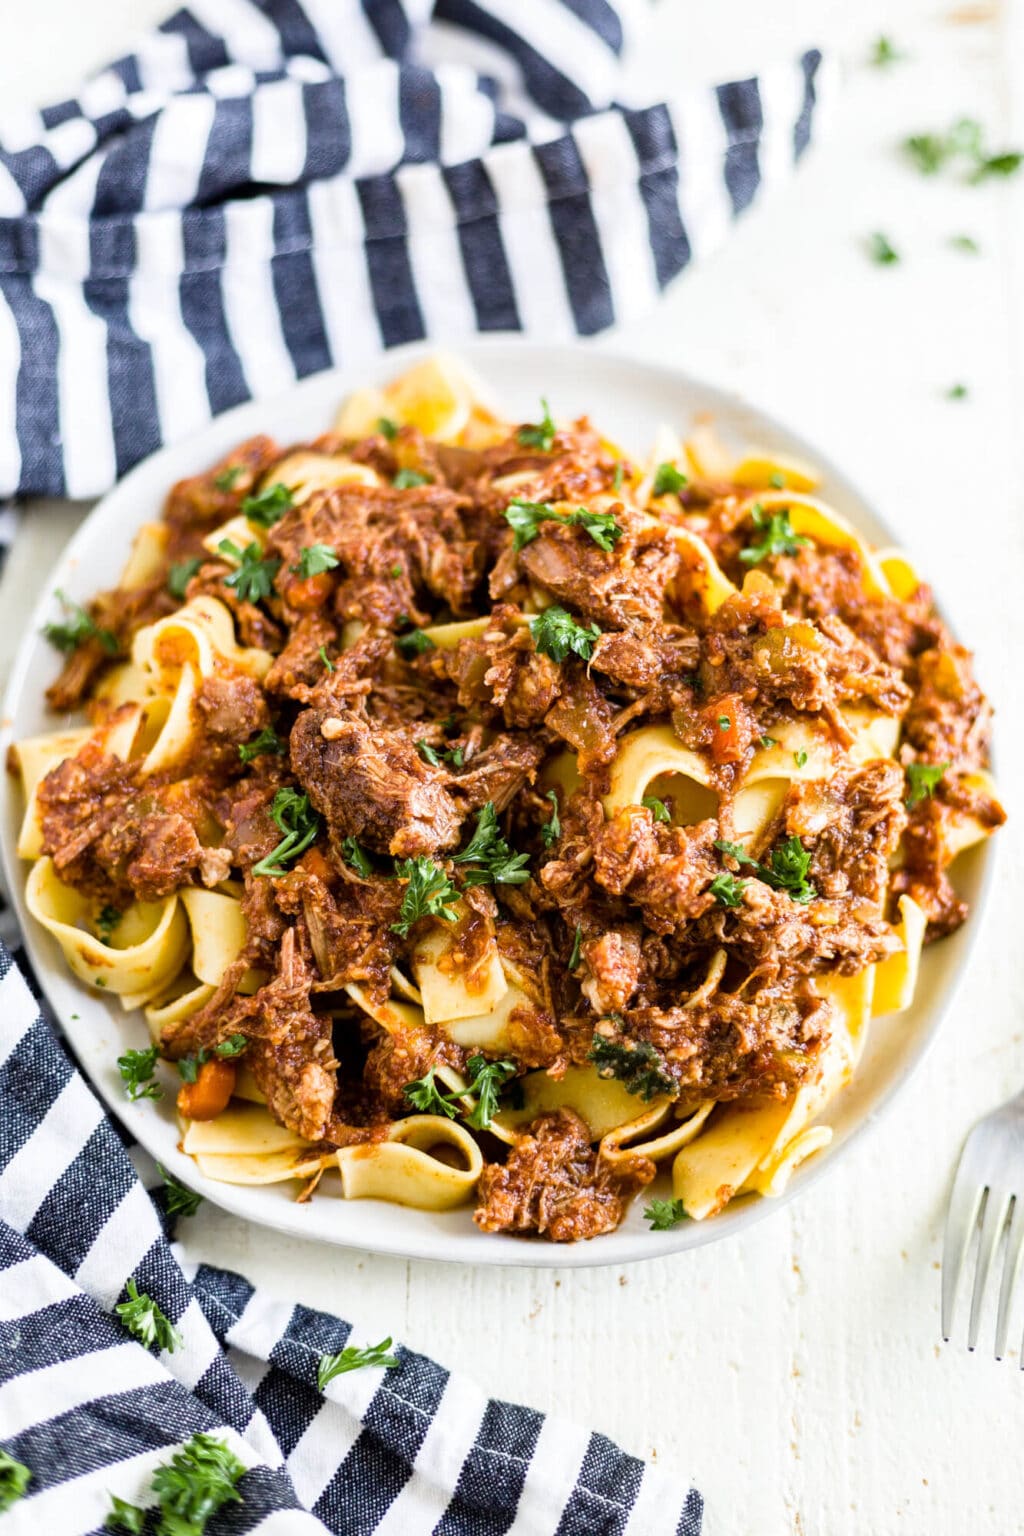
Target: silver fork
{"type": "Point", "coordinates": [989, 1186]}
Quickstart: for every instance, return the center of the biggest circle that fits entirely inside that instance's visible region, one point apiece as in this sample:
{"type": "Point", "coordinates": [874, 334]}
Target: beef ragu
{"type": "Point", "coordinates": [573, 804]}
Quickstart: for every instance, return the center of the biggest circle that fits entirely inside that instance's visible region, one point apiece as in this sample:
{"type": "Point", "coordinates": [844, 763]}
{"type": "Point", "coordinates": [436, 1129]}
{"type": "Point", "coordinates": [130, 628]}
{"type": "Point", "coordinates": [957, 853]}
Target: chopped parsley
{"type": "Point", "coordinates": [658, 809]}
{"type": "Point", "coordinates": [397, 570]}
{"type": "Point", "coordinates": [577, 945]}
{"type": "Point", "coordinates": [493, 860]}
{"type": "Point", "coordinates": [777, 480]}
{"type": "Point", "coordinates": [137, 1069]}
{"type": "Point", "coordinates": [777, 536]}
{"type": "Point", "coordinates": [663, 1215]}
{"type": "Point", "coordinates": [145, 1321]}
{"type": "Point", "coordinates": [428, 893]}
{"type": "Point", "coordinates": [293, 815]}
{"type": "Point", "coordinates": [407, 478]}
{"type": "Point", "coordinates": [428, 753]}
{"type": "Point", "coordinates": [254, 578]}
{"type": "Point", "coordinates": [198, 1481]}
{"type": "Point", "coordinates": [767, 741]}
{"type": "Point", "coordinates": [929, 152]}
{"type": "Point", "coordinates": [724, 723]}
{"type": "Point", "coordinates": [555, 633]}
{"type": "Point", "coordinates": [107, 921]}
{"type": "Point", "coordinates": [225, 481]}
{"type": "Point", "coordinates": [355, 857]}
{"type": "Point", "coordinates": [525, 518]}
{"type": "Point", "coordinates": [668, 480]}
{"type": "Point", "coordinates": [551, 831]}
{"type": "Point", "coordinates": [181, 1201]}
{"type": "Point", "coordinates": [884, 52]}
{"type": "Point", "coordinates": [179, 576]}
{"type": "Point", "coordinates": [387, 428]}
{"type": "Point", "coordinates": [880, 250]}
{"type": "Point", "coordinates": [268, 507]}
{"type": "Point", "coordinates": [14, 1480]}
{"type": "Point", "coordinates": [956, 392]}
{"type": "Point", "coordinates": [922, 781]}
{"type": "Point", "coordinates": [353, 1359]}
{"type": "Point", "coordinates": [1006, 164]}
{"type": "Point", "coordinates": [727, 890]}
{"type": "Point", "coordinates": [189, 1066]}
{"type": "Point", "coordinates": [268, 741]}
{"type": "Point", "coordinates": [637, 1065]}
{"type": "Point", "coordinates": [77, 628]}
{"type": "Point", "coordinates": [541, 435]}
{"type": "Point", "coordinates": [315, 559]}
{"type": "Point", "coordinates": [800, 758]}
{"type": "Point", "coordinates": [413, 644]}
{"type": "Point", "coordinates": [617, 477]}
{"type": "Point", "coordinates": [786, 869]}
{"type": "Point", "coordinates": [426, 1096]}
{"type": "Point", "coordinates": [328, 663]}
{"type": "Point", "coordinates": [965, 243]}
{"type": "Point", "coordinates": [487, 1078]}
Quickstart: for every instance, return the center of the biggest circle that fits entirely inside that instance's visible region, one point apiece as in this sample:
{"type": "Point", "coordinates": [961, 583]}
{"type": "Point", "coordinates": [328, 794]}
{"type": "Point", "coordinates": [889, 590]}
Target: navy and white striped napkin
{"type": "Point", "coordinates": [266, 188]}
{"type": "Point", "coordinates": [91, 1413]}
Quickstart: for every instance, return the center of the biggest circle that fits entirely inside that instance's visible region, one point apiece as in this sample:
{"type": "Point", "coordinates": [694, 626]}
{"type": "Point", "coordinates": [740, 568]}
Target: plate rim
{"type": "Point", "coordinates": [141, 1118]}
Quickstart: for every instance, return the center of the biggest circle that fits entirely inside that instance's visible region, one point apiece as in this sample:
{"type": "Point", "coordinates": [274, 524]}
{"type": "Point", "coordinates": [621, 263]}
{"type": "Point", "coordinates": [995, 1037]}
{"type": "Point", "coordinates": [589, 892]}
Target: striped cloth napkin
{"type": "Point", "coordinates": [88, 1412]}
{"type": "Point", "coordinates": [266, 188]}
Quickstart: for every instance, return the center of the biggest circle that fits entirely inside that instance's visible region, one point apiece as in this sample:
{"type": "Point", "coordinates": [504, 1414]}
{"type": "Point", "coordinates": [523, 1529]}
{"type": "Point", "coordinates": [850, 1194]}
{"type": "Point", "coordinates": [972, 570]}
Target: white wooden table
{"type": "Point", "coordinates": [795, 1372]}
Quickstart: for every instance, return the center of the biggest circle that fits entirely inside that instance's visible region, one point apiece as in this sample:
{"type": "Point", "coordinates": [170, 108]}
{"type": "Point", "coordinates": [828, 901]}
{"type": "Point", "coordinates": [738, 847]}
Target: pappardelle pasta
{"type": "Point", "coordinates": [479, 815]}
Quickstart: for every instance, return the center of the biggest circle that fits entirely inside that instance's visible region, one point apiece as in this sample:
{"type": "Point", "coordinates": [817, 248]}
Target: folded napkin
{"type": "Point", "coordinates": [266, 188]}
{"type": "Point", "coordinates": [91, 1413]}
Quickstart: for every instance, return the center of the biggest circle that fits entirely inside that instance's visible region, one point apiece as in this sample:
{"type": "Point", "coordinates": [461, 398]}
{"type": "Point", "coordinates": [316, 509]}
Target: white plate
{"type": "Point", "coordinates": [627, 400]}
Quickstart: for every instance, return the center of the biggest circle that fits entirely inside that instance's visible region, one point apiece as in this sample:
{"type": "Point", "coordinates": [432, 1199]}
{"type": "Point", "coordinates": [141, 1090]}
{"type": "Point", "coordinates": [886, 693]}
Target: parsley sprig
{"type": "Point", "coordinates": [296, 818]}
{"type": "Point", "coordinates": [189, 1066]}
{"type": "Point", "coordinates": [314, 560]}
{"type": "Point", "coordinates": [658, 809]}
{"type": "Point", "coordinates": [181, 1201]}
{"type": "Point", "coordinates": [268, 741]}
{"type": "Point", "coordinates": [353, 1359]}
{"type": "Point", "coordinates": [253, 579]}
{"type": "Point", "coordinates": [555, 633]}
{"type": "Point", "coordinates": [525, 518]}
{"type": "Point", "coordinates": [486, 1080]}
{"type": "Point", "coordinates": [268, 507]}
{"type": "Point", "coordinates": [668, 480]}
{"type": "Point", "coordinates": [727, 889]}
{"type": "Point", "coordinates": [922, 781]}
{"type": "Point", "coordinates": [663, 1215]}
{"type": "Point", "coordinates": [638, 1066]}
{"type": "Point", "coordinates": [145, 1321]}
{"type": "Point", "coordinates": [777, 536]}
{"type": "Point", "coordinates": [136, 1069]}
{"type": "Point", "coordinates": [198, 1480]}
{"type": "Point", "coordinates": [786, 869]}
{"type": "Point", "coordinates": [428, 893]}
{"type": "Point", "coordinates": [493, 860]}
{"type": "Point", "coordinates": [551, 831]}
{"type": "Point", "coordinates": [541, 435]}
{"type": "Point", "coordinates": [77, 628]}
{"type": "Point", "coordinates": [14, 1480]}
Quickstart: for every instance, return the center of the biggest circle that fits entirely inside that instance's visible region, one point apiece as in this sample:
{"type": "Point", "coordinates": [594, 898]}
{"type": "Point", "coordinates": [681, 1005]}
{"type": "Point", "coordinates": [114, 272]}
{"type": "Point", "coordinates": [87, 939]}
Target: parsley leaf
{"type": "Point", "coordinates": [353, 1359]}
{"type": "Point", "coordinates": [928, 151]}
{"type": "Point", "coordinates": [884, 52]}
{"type": "Point", "coordinates": [199, 1480]}
{"type": "Point", "coordinates": [407, 478]}
{"type": "Point", "coordinates": [267, 741]}
{"type": "Point", "coordinates": [767, 741]}
{"type": "Point", "coordinates": [137, 1068]}
{"type": "Point", "coordinates": [107, 921]}
{"type": "Point", "coordinates": [355, 857]}
{"type": "Point", "coordinates": [145, 1321]}
{"type": "Point", "coordinates": [1006, 164]}
{"type": "Point", "coordinates": [786, 869]}
{"type": "Point", "coordinates": [188, 1066]}
{"type": "Point", "coordinates": [225, 481]}
{"type": "Point", "coordinates": [14, 1480]}
{"type": "Point", "coordinates": [328, 663]}
{"type": "Point", "coordinates": [881, 251]}
{"type": "Point", "coordinates": [965, 243]}
{"type": "Point", "coordinates": [658, 809]}
{"type": "Point", "coordinates": [577, 945]}
{"type": "Point", "coordinates": [663, 1215]}
{"type": "Point", "coordinates": [387, 428]}
{"type": "Point", "coordinates": [179, 576]}
{"type": "Point", "coordinates": [551, 831]}
{"type": "Point", "coordinates": [488, 849]}
{"type": "Point", "coordinates": [427, 893]}
{"type": "Point", "coordinates": [78, 627]}
{"type": "Point", "coordinates": [778, 537]}
{"type": "Point", "coordinates": [727, 890]}
{"type": "Point", "coordinates": [668, 480]}
{"type": "Point", "coordinates": [254, 578]}
{"type": "Point", "coordinates": [181, 1201]}
{"type": "Point", "coordinates": [268, 507]}
{"type": "Point", "coordinates": [800, 758]}
{"type": "Point", "coordinates": [315, 559]}
{"type": "Point", "coordinates": [617, 477]}
{"type": "Point", "coordinates": [426, 1096]}
{"type": "Point", "coordinates": [637, 1065]}
{"type": "Point", "coordinates": [542, 435]}
{"type": "Point", "coordinates": [486, 1081]}
{"type": "Point", "coordinates": [413, 644]}
{"type": "Point", "coordinates": [125, 1517]}
{"type": "Point", "coordinates": [428, 753]}
{"type": "Point", "coordinates": [525, 518]}
{"type": "Point", "coordinates": [956, 392]}
{"type": "Point", "coordinates": [724, 723]}
{"type": "Point", "coordinates": [922, 781]}
{"type": "Point", "coordinates": [555, 633]}
{"type": "Point", "coordinates": [296, 818]}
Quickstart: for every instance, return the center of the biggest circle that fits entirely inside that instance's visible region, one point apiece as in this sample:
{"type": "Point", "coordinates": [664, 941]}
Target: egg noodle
{"type": "Point", "coordinates": [478, 815]}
